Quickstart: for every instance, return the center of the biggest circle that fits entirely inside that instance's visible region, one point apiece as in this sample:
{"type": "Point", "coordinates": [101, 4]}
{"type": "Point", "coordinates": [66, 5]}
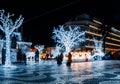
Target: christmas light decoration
{"type": "Point", "coordinates": [8, 26]}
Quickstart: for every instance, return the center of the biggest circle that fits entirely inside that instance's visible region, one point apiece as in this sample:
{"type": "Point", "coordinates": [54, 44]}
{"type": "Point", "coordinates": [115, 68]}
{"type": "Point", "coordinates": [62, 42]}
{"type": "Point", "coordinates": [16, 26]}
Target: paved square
{"type": "Point", "coordinates": [48, 72]}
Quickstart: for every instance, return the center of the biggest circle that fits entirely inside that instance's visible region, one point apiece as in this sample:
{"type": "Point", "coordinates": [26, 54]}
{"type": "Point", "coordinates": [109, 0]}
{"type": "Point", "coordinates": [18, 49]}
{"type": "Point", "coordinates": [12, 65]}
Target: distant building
{"type": "Point", "coordinates": [95, 28]}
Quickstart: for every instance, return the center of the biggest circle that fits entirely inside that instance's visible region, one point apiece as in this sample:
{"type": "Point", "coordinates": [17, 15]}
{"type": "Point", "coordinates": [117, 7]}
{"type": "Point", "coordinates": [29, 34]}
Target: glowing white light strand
{"type": "Point", "coordinates": [69, 37]}
{"type": "Point", "coordinates": [8, 26]}
{"type": "Point", "coordinates": [98, 49]}
{"type": "Point", "coordinates": [39, 47]}
{"type": "Point", "coordinates": [18, 34]}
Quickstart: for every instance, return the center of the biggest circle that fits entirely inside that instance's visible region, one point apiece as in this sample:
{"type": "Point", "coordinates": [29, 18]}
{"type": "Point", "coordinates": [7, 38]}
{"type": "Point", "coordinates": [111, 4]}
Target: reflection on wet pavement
{"type": "Point", "coordinates": [48, 72]}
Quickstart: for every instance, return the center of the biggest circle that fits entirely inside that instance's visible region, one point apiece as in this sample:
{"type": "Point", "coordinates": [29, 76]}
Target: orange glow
{"type": "Point", "coordinates": [102, 48]}
{"type": "Point", "coordinates": [101, 35]}
{"type": "Point", "coordinates": [113, 39]}
{"type": "Point", "coordinates": [91, 26]}
{"type": "Point", "coordinates": [115, 35]}
{"type": "Point", "coordinates": [32, 49]}
{"type": "Point", "coordinates": [81, 55]}
{"type": "Point", "coordinates": [93, 33]}
{"type": "Point", "coordinates": [102, 42]}
{"type": "Point", "coordinates": [93, 40]}
{"type": "Point", "coordinates": [97, 21]}
{"type": "Point", "coordinates": [112, 44]}
{"type": "Point", "coordinates": [90, 46]}
{"type": "Point", "coordinates": [112, 49]}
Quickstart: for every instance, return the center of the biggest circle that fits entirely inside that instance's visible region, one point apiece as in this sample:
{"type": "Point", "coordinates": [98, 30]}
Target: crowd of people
{"type": "Point", "coordinates": [22, 57]}
{"type": "Point", "coordinates": [60, 57]}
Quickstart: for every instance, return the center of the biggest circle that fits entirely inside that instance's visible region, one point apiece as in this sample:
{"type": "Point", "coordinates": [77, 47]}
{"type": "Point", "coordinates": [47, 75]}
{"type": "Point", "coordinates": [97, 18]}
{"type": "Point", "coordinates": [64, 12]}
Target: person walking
{"type": "Point", "coordinates": [36, 55]}
{"type": "Point", "coordinates": [69, 61]}
{"type": "Point", "coordinates": [59, 61]}
{"type": "Point", "coordinates": [24, 58]}
{"type": "Point", "coordinates": [86, 58]}
{"type": "Point", "coordinates": [47, 56]}
{"type": "Point", "coordinates": [19, 55]}
{"type": "Point", "coordinates": [61, 57]}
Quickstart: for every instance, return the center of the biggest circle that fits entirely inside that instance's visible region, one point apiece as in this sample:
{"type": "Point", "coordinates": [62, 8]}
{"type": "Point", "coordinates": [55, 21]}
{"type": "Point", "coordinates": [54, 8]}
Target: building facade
{"type": "Point", "coordinates": [96, 31]}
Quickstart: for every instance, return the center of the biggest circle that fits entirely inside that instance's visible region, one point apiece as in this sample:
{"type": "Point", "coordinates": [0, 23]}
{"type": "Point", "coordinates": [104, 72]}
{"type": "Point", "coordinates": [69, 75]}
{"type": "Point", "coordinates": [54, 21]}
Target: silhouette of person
{"type": "Point", "coordinates": [61, 57]}
{"type": "Point", "coordinates": [69, 59]}
{"type": "Point", "coordinates": [3, 55]}
{"type": "Point", "coordinates": [86, 58]}
{"type": "Point", "coordinates": [47, 55]}
{"type": "Point", "coordinates": [24, 58]}
{"type": "Point", "coordinates": [59, 60]}
{"type": "Point", "coordinates": [19, 55]}
{"type": "Point", "coordinates": [36, 55]}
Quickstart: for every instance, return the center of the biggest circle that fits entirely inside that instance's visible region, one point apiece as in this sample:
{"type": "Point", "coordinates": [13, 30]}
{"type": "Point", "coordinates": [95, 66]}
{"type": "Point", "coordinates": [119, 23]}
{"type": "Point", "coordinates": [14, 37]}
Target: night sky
{"type": "Point", "coordinates": [40, 16]}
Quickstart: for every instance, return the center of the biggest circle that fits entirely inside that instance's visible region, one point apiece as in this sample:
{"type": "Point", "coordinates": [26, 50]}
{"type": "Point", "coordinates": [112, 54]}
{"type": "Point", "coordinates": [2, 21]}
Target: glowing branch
{"type": "Point", "coordinates": [8, 26]}
{"type": "Point", "coordinates": [68, 37]}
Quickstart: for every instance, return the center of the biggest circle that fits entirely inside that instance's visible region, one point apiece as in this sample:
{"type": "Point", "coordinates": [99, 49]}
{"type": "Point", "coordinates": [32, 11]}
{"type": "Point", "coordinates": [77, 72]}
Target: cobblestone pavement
{"type": "Point", "coordinates": [48, 72]}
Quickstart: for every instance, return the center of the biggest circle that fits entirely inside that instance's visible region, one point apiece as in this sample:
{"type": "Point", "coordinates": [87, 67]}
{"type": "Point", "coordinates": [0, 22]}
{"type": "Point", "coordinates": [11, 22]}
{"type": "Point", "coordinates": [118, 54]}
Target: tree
{"type": "Point", "coordinates": [8, 26]}
{"type": "Point", "coordinates": [98, 48]}
{"type": "Point", "coordinates": [57, 50]}
{"type": "Point", "coordinates": [68, 37]}
{"type": "Point", "coordinates": [39, 47]}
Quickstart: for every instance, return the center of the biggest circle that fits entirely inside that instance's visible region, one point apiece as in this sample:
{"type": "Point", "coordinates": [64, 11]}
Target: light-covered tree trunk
{"type": "Point", "coordinates": [98, 50]}
{"type": "Point", "coordinates": [8, 43]}
{"type": "Point", "coordinates": [8, 26]}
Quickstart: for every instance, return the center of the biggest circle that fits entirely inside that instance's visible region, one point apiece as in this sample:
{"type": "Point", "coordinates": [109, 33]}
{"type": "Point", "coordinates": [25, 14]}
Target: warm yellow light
{"type": "Point", "coordinates": [81, 55]}
{"type": "Point", "coordinates": [112, 49]}
{"type": "Point", "coordinates": [88, 32]}
{"type": "Point", "coordinates": [112, 44]}
{"type": "Point", "coordinates": [115, 35]}
{"type": "Point", "coordinates": [97, 21]}
{"type": "Point", "coordinates": [102, 42]}
{"type": "Point", "coordinates": [113, 39]}
{"type": "Point", "coordinates": [102, 48]}
{"type": "Point", "coordinates": [91, 26]}
{"type": "Point", "coordinates": [90, 46]}
{"type": "Point", "coordinates": [92, 40]}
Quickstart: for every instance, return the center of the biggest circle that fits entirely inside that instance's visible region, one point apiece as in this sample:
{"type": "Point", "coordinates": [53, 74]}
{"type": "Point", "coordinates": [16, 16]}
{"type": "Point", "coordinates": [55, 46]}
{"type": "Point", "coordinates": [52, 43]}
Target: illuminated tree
{"type": "Point", "coordinates": [98, 48]}
{"type": "Point", "coordinates": [8, 26]}
{"type": "Point", "coordinates": [57, 50]}
{"type": "Point", "coordinates": [68, 37]}
{"type": "Point", "coordinates": [39, 47]}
